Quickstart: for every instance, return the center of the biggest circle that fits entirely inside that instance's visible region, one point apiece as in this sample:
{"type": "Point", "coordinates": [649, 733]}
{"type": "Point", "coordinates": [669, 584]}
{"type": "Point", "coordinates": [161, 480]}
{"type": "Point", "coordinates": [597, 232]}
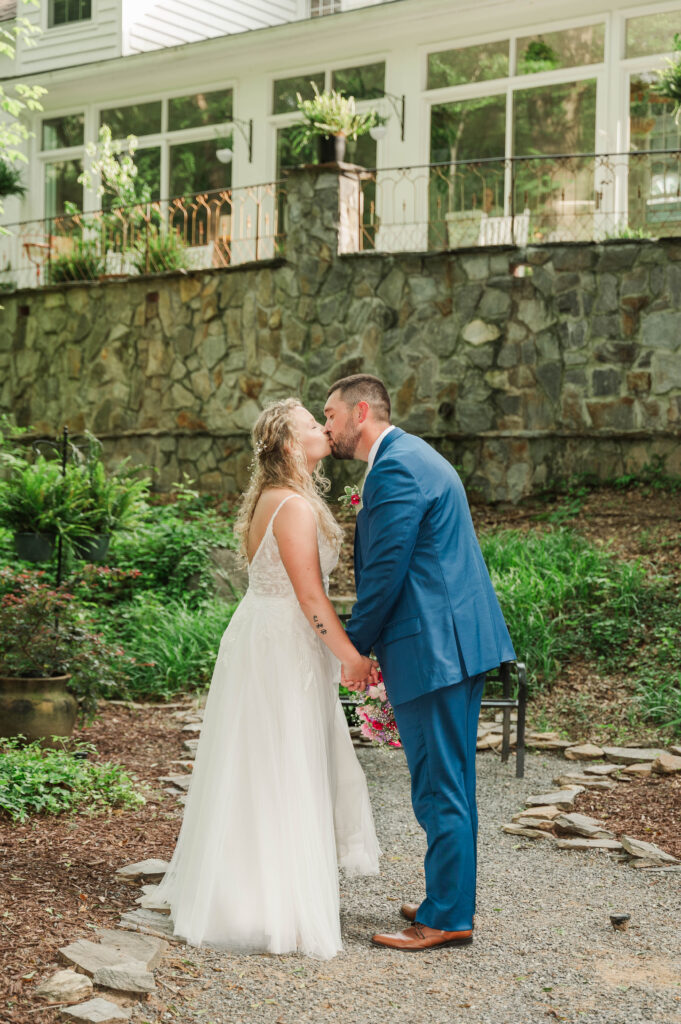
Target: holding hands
{"type": "Point", "coordinates": [359, 673]}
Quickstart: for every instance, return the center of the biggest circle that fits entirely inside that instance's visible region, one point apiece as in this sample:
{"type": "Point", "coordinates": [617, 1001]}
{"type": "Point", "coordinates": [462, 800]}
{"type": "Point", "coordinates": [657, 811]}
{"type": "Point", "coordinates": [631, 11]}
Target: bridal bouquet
{"type": "Point", "coordinates": [377, 717]}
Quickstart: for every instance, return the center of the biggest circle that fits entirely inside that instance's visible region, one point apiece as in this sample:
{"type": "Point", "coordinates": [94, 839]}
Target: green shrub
{"type": "Point", "coordinates": [172, 645]}
{"type": "Point", "coordinates": [37, 781]}
{"type": "Point", "coordinates": [83, 263]}
{"type": "Point", "coordinates": [157, 252]}
{"type": "Point", "coordinates": [172, 549]}
{"type": "Point", "coordinates": [561, 595]}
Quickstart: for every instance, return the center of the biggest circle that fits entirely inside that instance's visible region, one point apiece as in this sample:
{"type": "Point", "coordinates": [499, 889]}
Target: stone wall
{"type": "Point", "coordinates": [520, 365]}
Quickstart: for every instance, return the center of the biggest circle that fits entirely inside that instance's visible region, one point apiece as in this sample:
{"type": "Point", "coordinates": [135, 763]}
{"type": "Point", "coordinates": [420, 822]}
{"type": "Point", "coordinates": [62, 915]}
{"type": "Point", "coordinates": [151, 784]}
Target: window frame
{"type": "Point", "coordinates": [68, 26]}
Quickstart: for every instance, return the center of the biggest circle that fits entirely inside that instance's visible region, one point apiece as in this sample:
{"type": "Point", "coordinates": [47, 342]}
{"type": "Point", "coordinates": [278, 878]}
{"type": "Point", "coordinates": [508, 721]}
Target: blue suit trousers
{"type": "Point", "coordinates": [439, 735]}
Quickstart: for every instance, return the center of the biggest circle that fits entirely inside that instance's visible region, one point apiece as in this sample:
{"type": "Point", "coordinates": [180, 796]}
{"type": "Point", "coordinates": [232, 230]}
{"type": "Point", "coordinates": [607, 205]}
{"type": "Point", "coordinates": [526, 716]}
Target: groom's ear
{"type": "Point", "coordinates": [362, 411]}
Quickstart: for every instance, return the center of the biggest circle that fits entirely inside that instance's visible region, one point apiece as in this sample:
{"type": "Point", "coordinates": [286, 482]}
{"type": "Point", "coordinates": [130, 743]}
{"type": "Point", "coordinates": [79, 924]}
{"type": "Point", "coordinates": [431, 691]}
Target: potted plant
{"type": "Point", "coordinates": [10, 180]}
{"type": "Point", "coordinates": [51, 660]}
{"type": "Point", "coordinates": [110, 501]}
{"type": "Point", "coordinates": [37, 503]}
{"type": "Point", "coordinates": [668, 84]}
{"type": "Point", "coordinates": [332, 118]}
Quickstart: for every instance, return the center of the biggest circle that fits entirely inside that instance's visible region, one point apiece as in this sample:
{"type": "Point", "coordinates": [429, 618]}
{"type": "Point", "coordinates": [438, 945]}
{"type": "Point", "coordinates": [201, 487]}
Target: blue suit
{"type": "Point", "coordinates": [426, 606]}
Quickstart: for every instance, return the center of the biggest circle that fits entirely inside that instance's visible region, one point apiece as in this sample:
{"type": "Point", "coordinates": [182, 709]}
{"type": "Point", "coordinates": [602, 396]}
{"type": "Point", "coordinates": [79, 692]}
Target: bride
{"type": "Point", "coordinates": [277, 799]}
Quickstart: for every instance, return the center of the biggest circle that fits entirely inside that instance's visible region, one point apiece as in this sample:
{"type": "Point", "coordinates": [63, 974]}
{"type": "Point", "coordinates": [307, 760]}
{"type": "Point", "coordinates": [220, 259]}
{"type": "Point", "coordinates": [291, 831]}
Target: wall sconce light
{"type": "Point", "coordinates": [398, 103]}
{"type": "Point", "coordinates": [226, 154]}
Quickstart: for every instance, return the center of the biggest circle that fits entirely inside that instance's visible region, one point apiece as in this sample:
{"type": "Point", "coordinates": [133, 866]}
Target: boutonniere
{"type": "Point", "coordinates": [351, 498]}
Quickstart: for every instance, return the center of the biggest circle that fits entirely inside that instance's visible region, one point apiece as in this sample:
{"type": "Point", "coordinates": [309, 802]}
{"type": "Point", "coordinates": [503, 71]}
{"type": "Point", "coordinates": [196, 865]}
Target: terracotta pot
{"type": "Point", "coordinates": [36, 708]}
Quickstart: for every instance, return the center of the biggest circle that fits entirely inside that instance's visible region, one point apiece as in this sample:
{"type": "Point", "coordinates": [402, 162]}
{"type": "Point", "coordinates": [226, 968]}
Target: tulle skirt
{"type": "Point", "coordinates": [277, 799]}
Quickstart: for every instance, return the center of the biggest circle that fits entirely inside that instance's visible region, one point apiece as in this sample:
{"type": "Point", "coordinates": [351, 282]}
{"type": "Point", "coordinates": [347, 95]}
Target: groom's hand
{"type": "Point", "coordinates": [359, 674]}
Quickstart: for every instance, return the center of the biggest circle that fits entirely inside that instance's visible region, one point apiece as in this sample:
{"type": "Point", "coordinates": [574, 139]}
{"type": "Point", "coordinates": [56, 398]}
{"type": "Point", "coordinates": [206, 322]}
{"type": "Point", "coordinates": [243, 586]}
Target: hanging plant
{"type": "Point", "coordinates": [668, 84]}
{"type": "Point", "coordinates": [10, 180]}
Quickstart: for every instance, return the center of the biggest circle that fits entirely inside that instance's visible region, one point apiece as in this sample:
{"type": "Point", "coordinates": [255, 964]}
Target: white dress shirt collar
{"type": "Point", "coordinates": [376, 445]}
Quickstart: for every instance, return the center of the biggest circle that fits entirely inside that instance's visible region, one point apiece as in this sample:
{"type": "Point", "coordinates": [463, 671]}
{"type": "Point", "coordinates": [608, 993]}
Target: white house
{"type": "Point", "coordinates": [506, 118]}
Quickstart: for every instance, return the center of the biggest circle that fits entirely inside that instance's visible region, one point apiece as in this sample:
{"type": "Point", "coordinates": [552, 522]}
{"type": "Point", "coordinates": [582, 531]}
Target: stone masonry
{"type": "Point", "coordinates": [521, 366]}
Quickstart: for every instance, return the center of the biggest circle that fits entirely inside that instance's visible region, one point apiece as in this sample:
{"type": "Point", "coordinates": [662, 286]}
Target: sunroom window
{"type": "Point", "coordinates": [652, 33]}
{"type": "Point", "coordinates": [65, 12]}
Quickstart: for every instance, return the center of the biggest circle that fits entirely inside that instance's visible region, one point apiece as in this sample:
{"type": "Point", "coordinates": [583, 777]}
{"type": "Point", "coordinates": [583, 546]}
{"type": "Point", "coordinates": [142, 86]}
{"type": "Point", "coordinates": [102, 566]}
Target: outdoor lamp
{"type": "Point", "coordinates": [225, 155]}
{"type": "Point", "coordinates": [398, 103]}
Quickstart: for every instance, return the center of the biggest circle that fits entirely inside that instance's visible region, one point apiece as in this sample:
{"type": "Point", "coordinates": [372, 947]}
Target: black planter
{"type": "Point", "coordinates": [34, 547]}
{"type": "Point", "coordinates": [93, 549]}
{"type": "Point", "coordinates": [332, 149]}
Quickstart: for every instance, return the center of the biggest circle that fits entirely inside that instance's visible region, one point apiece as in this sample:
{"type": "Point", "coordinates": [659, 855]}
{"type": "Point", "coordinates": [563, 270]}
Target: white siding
{"type": "Point", "coordinates": [76, 43]}
{"type": "Point", "coordinates": [172, 22]}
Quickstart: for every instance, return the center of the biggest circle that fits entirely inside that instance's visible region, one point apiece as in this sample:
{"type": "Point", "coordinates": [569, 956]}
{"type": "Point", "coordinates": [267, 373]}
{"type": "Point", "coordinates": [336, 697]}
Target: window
{"type": "Point", "coordinates": [652, 33]}
{"type": "Point", "coordinates": [573, 47]}
{"type": "Point", "coordinates": [364, 83]}
{"type": "Point", "coordinates": [286, 91]}
{"type": "Point", "coordinates": [62, 132]}
{"type": "Point", "coordinates": [61, 186]}
{"type": "Point", "coordinates": [137, 119]}
{"type": "Point", "coordinates": [64, 12]}
{"type": "Point", "coordinates": [194, 167]}
{"type": "Point", "coordinates": [318, 8]}
{"type": "Point", "coordinates": [201, 109]}
{"type": "Point", "coordinates": [654, 200]}
{"type": "Point", "coordinates": [468, 64]}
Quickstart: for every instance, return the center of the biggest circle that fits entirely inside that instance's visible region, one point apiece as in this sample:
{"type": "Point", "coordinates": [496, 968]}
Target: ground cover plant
{"type": "Point", "coordinates": [37, 781]}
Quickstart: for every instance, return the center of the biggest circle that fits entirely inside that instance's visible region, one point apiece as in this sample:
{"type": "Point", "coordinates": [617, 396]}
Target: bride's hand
{"type": "Point", "coordinates": [359, 673]}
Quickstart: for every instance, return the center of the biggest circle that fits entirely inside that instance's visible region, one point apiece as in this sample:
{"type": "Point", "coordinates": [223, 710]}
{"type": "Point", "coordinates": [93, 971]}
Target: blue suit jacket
{"type": "Point", "coordinates": [425, 602]}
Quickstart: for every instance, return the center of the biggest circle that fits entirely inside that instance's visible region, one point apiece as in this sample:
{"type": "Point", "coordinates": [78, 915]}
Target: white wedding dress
{"type": "Point", "coordinates": [277, 800]}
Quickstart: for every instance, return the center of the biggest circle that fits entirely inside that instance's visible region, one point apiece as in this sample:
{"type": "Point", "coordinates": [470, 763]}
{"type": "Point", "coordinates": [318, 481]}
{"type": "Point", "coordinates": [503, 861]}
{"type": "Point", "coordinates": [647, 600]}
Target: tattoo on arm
{"type": "Point", "coordinates": [319, 625]}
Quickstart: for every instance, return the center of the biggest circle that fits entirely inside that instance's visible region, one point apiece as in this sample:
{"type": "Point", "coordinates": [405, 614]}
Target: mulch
{"type": "Point", "coordinates": [58, 873]}
{"type": "Point", "coordinates": [648, 809]}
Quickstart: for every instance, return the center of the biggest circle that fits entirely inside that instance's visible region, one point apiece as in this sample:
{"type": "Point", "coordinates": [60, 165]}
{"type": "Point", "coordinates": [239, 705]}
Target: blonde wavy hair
{"type": "Point", "coordinates": [280, 461]}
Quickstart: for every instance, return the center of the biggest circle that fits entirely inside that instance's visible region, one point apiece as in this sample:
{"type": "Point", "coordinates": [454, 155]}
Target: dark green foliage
{"type": "Point", "coordinates": [37, 781]}
{"type": "Point", "coordinates": [83, 263]}
{"type": "Point", "coordinates": [10, 180]}
{"type": "Point", "coordinates": [158, 251]}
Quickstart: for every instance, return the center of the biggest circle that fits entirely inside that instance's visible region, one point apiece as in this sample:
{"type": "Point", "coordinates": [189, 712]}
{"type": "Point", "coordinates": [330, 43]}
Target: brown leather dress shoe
{"type": "Point", "coordinates": [420, 937]}
{"type": "Point", "coordinates": [408, 910]}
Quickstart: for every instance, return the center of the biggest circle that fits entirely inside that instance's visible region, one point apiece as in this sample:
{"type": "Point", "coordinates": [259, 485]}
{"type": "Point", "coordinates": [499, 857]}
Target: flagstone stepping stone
{"type": "Point", "coordinates": [676, 751]}
{"type": "Point", "coordinates": [589, 781]}
{"type": "Point", "coordinates": [192, 727]}
{"type": "Point", "coordinates": [648, 851]}
{"type": "Point", "coordinates": [528, 822]}
{"type": "Point", "coordinates": [631, 755]}
{"type": "Point", "coordinates": [601, 769]}
{"type": "Point", "coordinates": [582, 825]}
{"type": "Point", "coordinates": [149, 902]}
{"type": "Point", "coordinates": [64, 987]}
{"type": "Point", "coordinates": [490, 742]}
{"type": "Point", "coordinates": [143, 919]}
{"type": "Point", "coordinates": [635, 770]}
{"type": "Point", "coordinates": [548, 744]}
{"type": "Point", "coordinates": [584, 752]}
{"type": "Point", "coordinates": [97, 1011]}
{"type": "Point", "coordinates": [179, 781]}
{"type": "Point", "coordinates": [527, 833]}
{"type": "Point", "coordinates": [90, 956]}
{"type": "Point", "coordinates": [143, 949]}
{"type": "Point", "coordinates": [546, 813]}
{"type": "Point", "coordinates": [486, 727]}
{"type": "Point", "coordinates": [666, 764]}
{"type": "Point", "coordinates": [131, 977]}
{"type": "Point", "coordinates": [561, 798]}
{"type": "Point", "coordinates": [582, 843]}
{"type": "Point", "coordinates": [151, 868]}
{"type": "Point", "coordinates": [190, 746]}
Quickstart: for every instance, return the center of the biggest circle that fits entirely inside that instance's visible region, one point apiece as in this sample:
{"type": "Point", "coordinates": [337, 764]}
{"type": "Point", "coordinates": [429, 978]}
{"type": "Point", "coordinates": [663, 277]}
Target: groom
{"type": "Point", "coordinates": [426, 606]}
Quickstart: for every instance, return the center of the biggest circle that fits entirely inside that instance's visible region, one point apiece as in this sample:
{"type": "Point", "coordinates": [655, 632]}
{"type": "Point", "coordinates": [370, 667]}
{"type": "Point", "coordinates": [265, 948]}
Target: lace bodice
{"type": "Point", "coordinates": [266, 573]}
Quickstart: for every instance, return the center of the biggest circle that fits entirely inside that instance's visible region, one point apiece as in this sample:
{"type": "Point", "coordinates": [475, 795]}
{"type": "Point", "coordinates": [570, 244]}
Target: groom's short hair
{"type": "Point", "coordinates": [362, 387]}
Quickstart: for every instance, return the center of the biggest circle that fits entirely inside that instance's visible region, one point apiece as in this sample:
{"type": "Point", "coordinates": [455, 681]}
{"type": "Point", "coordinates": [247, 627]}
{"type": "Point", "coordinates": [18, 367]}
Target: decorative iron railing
{"type": "Point", "coordinates": [211, 229]}
{"type": "Point", "coordinates": [521, 200]}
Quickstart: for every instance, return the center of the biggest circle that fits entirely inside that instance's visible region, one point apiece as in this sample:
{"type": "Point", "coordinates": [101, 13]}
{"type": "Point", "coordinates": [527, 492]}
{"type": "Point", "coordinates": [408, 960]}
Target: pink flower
{"type": "Point", "coordinates": [354, 499]}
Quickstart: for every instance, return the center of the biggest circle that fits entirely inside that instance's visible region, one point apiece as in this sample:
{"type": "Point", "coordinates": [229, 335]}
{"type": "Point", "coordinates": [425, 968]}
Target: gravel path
{"type": "Point", "coordinates": [544, 948]}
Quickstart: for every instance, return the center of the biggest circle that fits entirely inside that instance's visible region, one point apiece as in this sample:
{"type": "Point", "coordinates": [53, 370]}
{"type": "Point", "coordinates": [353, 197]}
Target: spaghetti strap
{"type": "Point", "coordinates": [281, 505]}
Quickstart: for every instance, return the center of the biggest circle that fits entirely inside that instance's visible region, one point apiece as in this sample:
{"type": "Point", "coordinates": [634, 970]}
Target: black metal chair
{"type": "Point", "coordinates": [507, 703]}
